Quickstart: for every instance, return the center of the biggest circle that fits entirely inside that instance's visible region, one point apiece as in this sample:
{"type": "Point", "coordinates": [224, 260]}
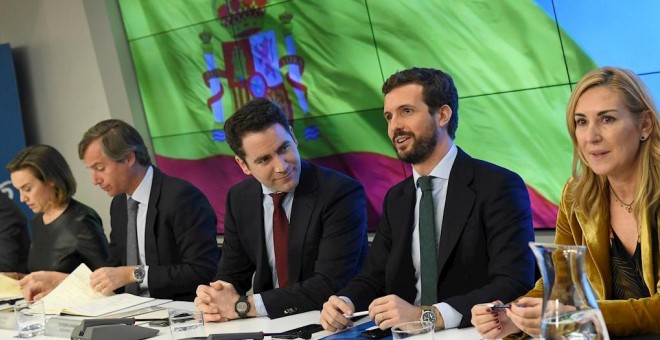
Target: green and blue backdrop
{"type": "Point", "coordinates": [514, 63]}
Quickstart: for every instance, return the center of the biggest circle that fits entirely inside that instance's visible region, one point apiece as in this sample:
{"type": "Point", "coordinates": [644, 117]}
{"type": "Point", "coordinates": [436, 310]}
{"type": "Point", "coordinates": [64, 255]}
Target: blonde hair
{"type": "Point", "coordinates": [591, 190]}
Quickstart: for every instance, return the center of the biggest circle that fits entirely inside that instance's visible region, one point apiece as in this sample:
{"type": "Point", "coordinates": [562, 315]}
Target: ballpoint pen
{"type": "Point", "coordinates": [356, 314]}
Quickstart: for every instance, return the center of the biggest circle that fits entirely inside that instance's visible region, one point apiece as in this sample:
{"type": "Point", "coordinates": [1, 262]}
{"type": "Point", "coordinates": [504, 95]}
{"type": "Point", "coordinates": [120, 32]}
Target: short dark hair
{"type": "Point", "coordinates": [438, 90]}
{"type": "Point", "coordinates": [47, 165]}
{"type": "Point", "coordinates": [255, 116]}
{"type": "Point", "coordinates": [118, 140]}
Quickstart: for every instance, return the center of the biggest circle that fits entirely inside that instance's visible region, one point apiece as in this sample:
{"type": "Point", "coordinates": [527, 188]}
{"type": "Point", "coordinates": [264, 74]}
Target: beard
{"type": "Point", "coordinates": [422, 147]}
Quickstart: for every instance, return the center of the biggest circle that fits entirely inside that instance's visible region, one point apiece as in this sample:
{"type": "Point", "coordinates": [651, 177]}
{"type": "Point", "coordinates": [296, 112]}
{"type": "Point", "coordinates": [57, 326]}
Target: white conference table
{"type": "Point", "coordinates": [262, 324]}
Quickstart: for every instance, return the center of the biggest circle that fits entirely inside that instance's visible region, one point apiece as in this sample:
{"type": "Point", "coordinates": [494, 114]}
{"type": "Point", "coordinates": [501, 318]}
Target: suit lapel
{"type": "Point", "coordinates": [253, 213]}
{"type": "Point", "coordinates": [119, 224]}
{"type": "Point", "coordinates": [458, 204]}
{"type": "Point", "coordinates": [304, 201]}
{"type": "Point", "coordinates": [401, 222]}
{"type": "Point", "coordinates": [597, 240]}
{"type": "Point", "coordinates": [150, 248]}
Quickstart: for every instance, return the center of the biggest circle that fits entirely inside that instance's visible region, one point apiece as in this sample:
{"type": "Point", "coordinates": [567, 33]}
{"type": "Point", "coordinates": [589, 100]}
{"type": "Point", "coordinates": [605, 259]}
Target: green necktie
{"type": "Point", "coordinates": [428, 254]}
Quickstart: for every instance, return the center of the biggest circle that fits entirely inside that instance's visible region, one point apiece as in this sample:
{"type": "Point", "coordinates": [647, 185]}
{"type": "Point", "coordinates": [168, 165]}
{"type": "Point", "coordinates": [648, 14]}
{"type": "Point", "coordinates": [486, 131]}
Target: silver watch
{"type": "Point", "coordinates": [428, 314]}
{"type": "Point", "coordinates": [138, 273]}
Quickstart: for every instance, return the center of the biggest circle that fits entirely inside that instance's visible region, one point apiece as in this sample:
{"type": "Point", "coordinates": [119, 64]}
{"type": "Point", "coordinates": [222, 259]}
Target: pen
{"type": "Point", "coordinates": [11, 301]}
{"type": "Point", "coordinates": [363, 313]}
{"type": "Point", "coordinates": [501, 307]}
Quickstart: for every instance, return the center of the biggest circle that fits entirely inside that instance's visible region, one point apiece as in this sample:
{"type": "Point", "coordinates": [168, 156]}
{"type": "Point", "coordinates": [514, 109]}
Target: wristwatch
{"type": "Point", "coordinates": [428, 314]}
{"type": "Point", "coordinates": [138, 273]}
{"type": "Point", "coordinates": [242, 307]}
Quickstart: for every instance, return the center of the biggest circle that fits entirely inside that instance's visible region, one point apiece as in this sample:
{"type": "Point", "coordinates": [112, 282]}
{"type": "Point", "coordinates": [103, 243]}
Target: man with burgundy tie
{"type": "Point", "coordinates": [452, 235]}
{"type": "Point", "coordinates": [162, 242]}
{"type": "Point", "coordinates": [299, 229]}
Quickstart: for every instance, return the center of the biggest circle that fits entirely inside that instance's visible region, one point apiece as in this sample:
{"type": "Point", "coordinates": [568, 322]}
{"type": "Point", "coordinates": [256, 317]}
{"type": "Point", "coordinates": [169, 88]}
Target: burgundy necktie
{"type": "Point", "coordinates": [280, 238]}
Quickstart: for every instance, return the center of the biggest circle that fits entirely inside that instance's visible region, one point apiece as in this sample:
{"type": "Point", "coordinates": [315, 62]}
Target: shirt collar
{"type": "Point", "coordinates": [443, 168]}
{"type": "Point", "coordinates": [143, 191]}
{"type": "Point", "coordinates": [267, 191]}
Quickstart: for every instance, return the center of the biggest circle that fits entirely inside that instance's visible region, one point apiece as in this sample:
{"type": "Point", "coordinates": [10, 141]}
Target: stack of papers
{"type": "Point", "coordinates": [74, 296]}
{"type": "Point", "coordinates": [9, 288]}
{"type": "Point", "coordinates": [10, 292]}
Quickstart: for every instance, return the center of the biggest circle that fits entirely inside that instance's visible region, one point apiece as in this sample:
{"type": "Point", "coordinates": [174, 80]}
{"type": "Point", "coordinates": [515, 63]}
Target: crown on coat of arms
{"type": "Point", "coordinates": [245, 16]}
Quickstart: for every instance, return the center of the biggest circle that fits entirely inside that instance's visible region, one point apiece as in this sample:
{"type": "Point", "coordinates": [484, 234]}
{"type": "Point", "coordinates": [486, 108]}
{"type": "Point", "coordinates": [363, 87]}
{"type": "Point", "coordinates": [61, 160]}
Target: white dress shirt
{"type": "Point", "coordinates": [440, 181]}
{"type": "Point", "coordinates": [270, 247]}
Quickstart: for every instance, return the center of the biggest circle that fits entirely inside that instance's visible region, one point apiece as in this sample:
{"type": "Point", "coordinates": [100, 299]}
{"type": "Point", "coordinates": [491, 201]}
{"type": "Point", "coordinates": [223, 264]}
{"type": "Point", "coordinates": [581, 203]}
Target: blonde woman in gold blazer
{"type": "Point", "coordinates": [610, 205]}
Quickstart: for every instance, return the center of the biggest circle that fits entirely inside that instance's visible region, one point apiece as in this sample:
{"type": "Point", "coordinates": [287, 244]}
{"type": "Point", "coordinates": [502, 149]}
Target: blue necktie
{"type": "Point", "coordinates": [427, 245]}
{"type": "Point", "coordinates": [132, 256]}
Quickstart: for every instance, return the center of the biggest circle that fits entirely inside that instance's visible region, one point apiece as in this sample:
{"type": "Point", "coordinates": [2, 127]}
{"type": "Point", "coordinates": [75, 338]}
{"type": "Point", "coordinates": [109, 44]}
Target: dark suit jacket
{"type": "Point", "coordinates": [327, 240]}
{"type": "Point", "coordinates": [181, 248]}
{"type": "Point", "coordinates": [75, 237]}
{"type": "Point", "coordinates": [483, 253]}
{"type": "Point", "coordinates": [14, 237]}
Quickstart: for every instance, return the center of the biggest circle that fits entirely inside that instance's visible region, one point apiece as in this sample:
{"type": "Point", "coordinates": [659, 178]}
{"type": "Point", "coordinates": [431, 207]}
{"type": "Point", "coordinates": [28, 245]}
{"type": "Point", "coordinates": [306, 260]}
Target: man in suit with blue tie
{"type": "Point", "coordinates": [298, 228]}
{"type": "Point", "coordinates": [452, 235]}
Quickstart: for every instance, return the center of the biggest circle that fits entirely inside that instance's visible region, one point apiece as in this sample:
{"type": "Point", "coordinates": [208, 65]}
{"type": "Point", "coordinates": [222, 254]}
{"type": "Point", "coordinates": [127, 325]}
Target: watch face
{"type": "Point", "coordinates": [138, 274]}
{"type": "Point", "coordinates": [428, 316]}
{"type": "Point", "coordinates": [241, 307]}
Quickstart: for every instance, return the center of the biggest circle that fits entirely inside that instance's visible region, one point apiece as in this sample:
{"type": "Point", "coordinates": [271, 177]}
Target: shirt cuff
{"type": "Point", "coordinates": [450, 316]}
{"type": "Point", "coordinates": [144, 285]}
{"type": "Point", "coordinates": [259, 305]}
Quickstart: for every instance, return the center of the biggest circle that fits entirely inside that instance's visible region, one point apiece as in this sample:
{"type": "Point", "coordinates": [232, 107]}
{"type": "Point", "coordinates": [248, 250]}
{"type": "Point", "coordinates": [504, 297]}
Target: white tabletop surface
{"type": "Point", "coordinates": [263, 324]}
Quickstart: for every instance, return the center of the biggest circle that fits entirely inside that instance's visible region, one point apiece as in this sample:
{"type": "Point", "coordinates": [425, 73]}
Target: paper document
{"type": "Point", "coordinates": [74, 296]}
{"type": "Point", "coordinates": [9, 288]}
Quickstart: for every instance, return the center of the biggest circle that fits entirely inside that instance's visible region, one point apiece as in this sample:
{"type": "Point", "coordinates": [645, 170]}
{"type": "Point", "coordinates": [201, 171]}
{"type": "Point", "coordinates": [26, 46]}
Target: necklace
{"type": "Point", "coordinates": [627, 207]}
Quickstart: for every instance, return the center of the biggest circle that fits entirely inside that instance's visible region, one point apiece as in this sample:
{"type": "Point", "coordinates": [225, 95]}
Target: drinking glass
{"type": "Point", "coordinates": [414, 330]}
{"type": "Point", "coordinates": [186, 324]}
{"type": "Point", "coordinates": [30, 318]}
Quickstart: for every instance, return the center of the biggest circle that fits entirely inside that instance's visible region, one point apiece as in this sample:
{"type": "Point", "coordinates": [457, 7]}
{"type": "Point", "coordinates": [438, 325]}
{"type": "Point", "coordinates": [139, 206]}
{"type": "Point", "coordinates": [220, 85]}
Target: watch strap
{"type": "Point", "coordinates": [428, 310]}
{"type": "Point", "coordinates": [242, 312]}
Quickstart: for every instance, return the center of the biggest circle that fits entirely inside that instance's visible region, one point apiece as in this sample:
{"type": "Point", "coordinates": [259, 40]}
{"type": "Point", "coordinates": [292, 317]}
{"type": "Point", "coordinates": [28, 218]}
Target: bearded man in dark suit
{"type": "Point", "coordinates": [468, 244]}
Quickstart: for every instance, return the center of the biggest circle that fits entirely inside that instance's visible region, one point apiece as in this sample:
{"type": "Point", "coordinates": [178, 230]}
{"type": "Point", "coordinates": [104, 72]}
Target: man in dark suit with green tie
{"type": "Point", "coordinates": [452, 235]}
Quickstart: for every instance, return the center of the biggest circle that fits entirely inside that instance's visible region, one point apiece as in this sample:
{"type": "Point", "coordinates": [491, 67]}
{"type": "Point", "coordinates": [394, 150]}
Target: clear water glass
{"type": "Point", "coordinates": [570, 308]}
{"type": "Point", "coordinates": [30, 318]}
{"type": "Point", "coordinates": [186, 324]}
{"type": "Point", "coordinates": [414, 330]}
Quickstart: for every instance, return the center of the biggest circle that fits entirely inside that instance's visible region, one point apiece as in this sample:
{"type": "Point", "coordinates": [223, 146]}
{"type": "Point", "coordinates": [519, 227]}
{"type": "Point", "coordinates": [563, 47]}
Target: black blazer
{"type": "Point", "coordinates": [14, 237]}
{"type": "Point", "coordinates": [181, 249]}
{"type": "Point", "coordinates": [483, 253]}
{"type": "Point", "coordinates": [327, 240]}
{"type": "Point", "coordinates": [75, 237]}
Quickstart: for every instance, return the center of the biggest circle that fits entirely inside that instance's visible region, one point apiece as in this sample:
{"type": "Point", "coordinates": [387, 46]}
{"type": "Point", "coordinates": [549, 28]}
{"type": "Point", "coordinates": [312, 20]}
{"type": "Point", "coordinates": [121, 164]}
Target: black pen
{"type": "Point", "coordinates": [11, 301]}
{"type": "Point", "coordinates": [507, 306]}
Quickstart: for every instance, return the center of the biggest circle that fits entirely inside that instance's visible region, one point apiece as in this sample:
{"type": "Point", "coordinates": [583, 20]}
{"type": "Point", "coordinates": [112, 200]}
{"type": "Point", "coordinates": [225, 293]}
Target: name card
{"type": "Point", "coordinates": [7, 319]}
{"type": "Point", "coordinates": [61, 327]}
